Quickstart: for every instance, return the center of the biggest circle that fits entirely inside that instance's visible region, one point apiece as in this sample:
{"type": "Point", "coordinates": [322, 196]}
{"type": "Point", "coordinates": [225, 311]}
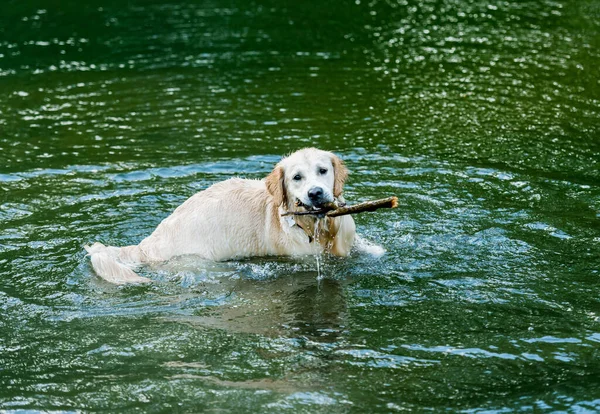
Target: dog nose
{"type": "Point", "coordinates": [315, 193]}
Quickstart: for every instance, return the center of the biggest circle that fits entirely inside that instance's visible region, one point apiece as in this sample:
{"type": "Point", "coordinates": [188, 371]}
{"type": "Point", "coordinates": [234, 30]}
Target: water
{"type": "Point", "coordinates": [481, 116]}
{"type": "Point", "coordinates": [318, 255]}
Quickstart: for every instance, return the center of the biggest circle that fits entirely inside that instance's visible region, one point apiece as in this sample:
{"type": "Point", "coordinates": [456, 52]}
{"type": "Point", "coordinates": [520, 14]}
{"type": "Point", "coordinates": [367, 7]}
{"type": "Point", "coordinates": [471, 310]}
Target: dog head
{"type": "Point", "coordinates": [309, 177]}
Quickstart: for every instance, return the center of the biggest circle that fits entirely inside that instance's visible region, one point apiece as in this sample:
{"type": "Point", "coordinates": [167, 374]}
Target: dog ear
{"type": "Point", "coordinates": [340, 174]}
{"type": "Point", "coordinates": [275, 186]}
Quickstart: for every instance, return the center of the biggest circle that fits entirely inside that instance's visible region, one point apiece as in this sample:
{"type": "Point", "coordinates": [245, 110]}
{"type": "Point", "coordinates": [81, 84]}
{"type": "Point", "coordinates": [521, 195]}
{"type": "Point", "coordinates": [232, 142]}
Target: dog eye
{"type": "Point", "coordinates": [297, 177]}
{"type": "Point", "coordinates": [323, 171]}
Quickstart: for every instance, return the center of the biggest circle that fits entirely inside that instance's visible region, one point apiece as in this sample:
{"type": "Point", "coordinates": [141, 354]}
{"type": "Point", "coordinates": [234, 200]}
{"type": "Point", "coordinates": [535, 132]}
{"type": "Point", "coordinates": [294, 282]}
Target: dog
{"type": "Point", "coordinates": [240, 218]}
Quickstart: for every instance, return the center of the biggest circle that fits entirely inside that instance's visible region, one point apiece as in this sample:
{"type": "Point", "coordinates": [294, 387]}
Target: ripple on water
{"type": "Point", "coordinates": [481, 117]}
{"type": "Point", "coordinates": [480, 256]}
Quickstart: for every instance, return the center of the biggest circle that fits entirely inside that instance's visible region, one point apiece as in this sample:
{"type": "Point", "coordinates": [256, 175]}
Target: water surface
{"type": "Point", "coordinates": [481, 116]}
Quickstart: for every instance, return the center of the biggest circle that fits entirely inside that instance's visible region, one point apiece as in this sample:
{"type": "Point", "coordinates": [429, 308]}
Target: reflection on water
{"type": "Point", "coordinates": [289, 302]}
{"type": "Point", "coordinates": [481, 116]}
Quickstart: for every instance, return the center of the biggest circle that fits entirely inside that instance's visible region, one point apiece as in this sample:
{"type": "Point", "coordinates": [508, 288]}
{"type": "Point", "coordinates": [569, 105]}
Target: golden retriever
{"type": "Point", "coordinates": [240, 218]}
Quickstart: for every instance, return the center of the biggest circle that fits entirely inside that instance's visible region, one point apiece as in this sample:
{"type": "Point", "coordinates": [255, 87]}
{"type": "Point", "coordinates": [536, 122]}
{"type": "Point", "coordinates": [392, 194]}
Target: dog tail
{"type": "Point", "coordinates": [112, 263]}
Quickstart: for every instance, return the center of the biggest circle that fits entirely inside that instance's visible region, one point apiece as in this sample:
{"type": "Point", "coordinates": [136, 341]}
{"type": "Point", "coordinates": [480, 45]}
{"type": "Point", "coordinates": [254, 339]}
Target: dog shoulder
{"type": "Point", "coordinates": [235, 184]}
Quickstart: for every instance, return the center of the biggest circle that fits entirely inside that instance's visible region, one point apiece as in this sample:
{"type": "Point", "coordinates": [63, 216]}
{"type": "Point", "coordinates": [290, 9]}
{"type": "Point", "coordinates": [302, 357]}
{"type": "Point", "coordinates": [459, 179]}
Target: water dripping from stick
{"type": "Point", "coordinates": [318, 244]}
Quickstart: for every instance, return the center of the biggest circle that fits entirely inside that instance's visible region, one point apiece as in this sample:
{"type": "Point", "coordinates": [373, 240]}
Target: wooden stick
{"type": "Point", "coordinates": [390, 202]}
{"type": "Point", "coordinates": [331, 210]}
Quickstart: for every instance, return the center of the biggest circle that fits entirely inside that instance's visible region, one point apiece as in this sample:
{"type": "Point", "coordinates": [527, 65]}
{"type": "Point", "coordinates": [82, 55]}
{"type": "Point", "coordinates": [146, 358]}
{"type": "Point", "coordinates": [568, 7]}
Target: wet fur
{"type": "Point", "coordinates": [237, 218]}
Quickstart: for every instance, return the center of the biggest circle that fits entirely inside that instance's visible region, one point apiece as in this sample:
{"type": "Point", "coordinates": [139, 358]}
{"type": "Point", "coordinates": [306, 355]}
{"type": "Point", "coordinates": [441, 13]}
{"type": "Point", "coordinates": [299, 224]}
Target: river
{"type": "Point", "coordinates": [481, 116]}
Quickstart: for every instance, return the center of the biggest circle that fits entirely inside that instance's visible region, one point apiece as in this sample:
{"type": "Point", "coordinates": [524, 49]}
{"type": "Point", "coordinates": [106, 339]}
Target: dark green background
{"type": "Point", "coordinates": [481, 116]}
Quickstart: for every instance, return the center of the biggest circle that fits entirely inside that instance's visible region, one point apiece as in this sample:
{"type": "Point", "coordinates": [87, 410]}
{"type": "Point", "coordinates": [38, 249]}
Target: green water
{"type": "Point", "coordinates": [481, 116]}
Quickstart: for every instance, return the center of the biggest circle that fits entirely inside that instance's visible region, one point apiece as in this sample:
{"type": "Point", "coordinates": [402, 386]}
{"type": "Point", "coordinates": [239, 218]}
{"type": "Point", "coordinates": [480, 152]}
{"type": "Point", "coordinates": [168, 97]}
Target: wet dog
{"type": "Point", "coordinates": [240, 218]}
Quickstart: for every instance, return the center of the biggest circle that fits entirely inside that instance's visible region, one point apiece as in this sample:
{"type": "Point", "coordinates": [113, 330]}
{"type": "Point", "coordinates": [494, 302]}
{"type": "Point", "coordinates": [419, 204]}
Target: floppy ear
{"type": "Point", "coordinates": [274, 182]}
{"type": "Point", "coordinates": [340, 174]}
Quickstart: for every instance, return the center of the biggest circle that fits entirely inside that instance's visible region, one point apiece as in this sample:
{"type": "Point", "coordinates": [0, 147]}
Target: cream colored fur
{"type": "Point", "coordinates": [241, 218]}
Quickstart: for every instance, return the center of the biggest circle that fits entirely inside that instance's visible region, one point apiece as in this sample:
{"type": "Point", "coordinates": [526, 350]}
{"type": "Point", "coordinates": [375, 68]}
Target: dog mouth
{"type": "Point", "coordinates": [300, 204]}
{"type": "Point", "coordinates": [312, 206]}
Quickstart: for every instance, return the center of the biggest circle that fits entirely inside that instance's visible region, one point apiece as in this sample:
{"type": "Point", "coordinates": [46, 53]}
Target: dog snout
{"type": "Point", "coordinates": [315, 194]}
